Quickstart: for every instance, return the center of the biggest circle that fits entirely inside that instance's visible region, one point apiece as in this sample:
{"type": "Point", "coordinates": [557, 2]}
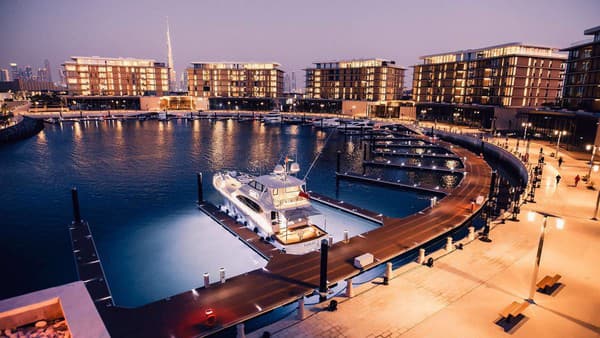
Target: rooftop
{"type": "Point", "coordinates": [71, 301]}
{"type": "Point", "coordinates": [356, 63]}
{"type": "Point", "coordinates": [592, 31]}
{"type": "Point", "coordinates": [110, 61]}
{"type": "Point", "coordinates": [279, 181]}
{"type": "Point", "coordinates": [511, 48]}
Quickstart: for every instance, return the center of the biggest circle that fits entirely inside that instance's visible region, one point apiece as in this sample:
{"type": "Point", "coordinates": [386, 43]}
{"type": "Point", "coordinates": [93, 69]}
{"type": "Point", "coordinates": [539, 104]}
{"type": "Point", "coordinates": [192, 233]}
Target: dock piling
{"type": "Point", "coordinates": [330, 241]}
{"type": "Point", "coordinates": [206, 280]}
{"type": "Point", "coordinates": [338, 155]}
{"type": "Point", "coordinates": [76, 211]}
{"type": "Point", "coordinates": [346, 237]}
{"type": "Point", "coordinates": [323, 275]}
{"type": "Point", "coordinates": [200, 189]}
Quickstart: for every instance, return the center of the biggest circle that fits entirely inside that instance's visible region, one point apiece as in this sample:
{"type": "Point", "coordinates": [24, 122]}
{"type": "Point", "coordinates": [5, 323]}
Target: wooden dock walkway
{"type": "Point", "coordinates": [390, 164]}
{"type": "Point", "coordinates": [89, 267]}
{"type": "Point", "coordinates": [286, 278]}
{"type": "Point", "coordinates": [241, 232]}
{"type": "Point", "coordinates": [407, 154]}
{"type": "Point", "coordinates": [397, 184]}
{"type": "Point", "coordinates": [347, 207]}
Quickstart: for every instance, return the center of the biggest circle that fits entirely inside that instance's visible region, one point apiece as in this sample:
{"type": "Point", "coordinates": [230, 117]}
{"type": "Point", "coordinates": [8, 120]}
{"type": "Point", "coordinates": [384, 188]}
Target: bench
{"type": "Point", "coordinates": [548, 282]}
{"type": "Point", "coordinates": [513, 310]}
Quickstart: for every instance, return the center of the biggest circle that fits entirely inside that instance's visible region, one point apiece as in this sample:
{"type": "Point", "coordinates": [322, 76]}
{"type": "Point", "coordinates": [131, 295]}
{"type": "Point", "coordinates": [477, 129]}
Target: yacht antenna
{"type": "Point", "coordinates": [317, 157]}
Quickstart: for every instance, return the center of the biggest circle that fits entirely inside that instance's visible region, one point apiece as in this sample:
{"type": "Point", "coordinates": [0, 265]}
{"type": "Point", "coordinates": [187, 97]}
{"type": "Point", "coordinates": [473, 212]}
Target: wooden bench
{"type": "Point", "coordinates": [513, 310]}
{"type": "Point", "coordinates": [548, 282]}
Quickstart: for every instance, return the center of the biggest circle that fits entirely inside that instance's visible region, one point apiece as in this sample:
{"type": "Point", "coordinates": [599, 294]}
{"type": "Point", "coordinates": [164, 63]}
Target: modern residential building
{"type": "Point", "coordinates": [235, 79]}
{"type": "Point", "coordinates": [363, 80]}
{"type": "Point", "coordinates": [116, 76]}
{"type": "Point", "coordinates": [582, 78]}
{"type": "Point", "coordinates": [508, 75]}
{"type": "Point", "coordinates": [4, 75]}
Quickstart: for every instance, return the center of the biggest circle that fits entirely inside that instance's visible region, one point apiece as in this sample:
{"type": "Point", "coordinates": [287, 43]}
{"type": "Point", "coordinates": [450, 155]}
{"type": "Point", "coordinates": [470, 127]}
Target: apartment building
{"type": "Point", "coordinates": [235, 79]}
{"type": "Point", "coordinates": [582, 77]}
{"type": "Point", "coordinates": [508, 75]}
{"type": "Point", "coordinates": [116, 76]}
{"type": "Point", "coordinates": [362, 80]}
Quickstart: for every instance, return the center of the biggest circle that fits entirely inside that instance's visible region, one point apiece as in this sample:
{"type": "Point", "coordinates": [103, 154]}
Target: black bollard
{"type": "Point", "coordinates": [200, 192]}
{"type": "Point", "coordinates": [323, 279]}
{"type": "Point", "coordinates": [76, 212]}
{"type": "Point", "coordinates": [338, 154]}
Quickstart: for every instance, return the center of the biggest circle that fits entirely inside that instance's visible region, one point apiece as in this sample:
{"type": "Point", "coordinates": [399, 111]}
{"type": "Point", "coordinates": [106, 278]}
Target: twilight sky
{"type": "Point", "coordinates": [293, 33]}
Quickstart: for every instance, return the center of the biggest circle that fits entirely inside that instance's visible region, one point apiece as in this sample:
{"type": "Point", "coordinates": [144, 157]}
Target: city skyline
{"type": "Point", "coordinates": [295, 36]}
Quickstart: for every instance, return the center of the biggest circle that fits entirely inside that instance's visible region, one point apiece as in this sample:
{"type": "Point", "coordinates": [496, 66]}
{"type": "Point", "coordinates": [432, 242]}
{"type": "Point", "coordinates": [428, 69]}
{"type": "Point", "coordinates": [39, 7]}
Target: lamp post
{"type": "Point", "coordinates": [528, 124]}
{"type": "Point", "coordinates": [593, 148]}
{"type": "Point", "coordinates": [559, 133]}
{"type": "Point", "coordinates": [536, 268]}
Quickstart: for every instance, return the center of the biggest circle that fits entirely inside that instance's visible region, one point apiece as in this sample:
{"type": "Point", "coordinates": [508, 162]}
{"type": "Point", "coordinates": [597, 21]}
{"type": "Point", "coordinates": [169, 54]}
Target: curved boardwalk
{"type": "Point", "coordinates": [286, 278]}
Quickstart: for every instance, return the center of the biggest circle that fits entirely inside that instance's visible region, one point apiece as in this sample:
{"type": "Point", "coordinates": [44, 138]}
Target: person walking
{"type": "Point", "coordinates": [577, 178]}
{"type": "Point", "coordinates": [558, 178]}
{"type": "Point", "coordinates": [560, 161]}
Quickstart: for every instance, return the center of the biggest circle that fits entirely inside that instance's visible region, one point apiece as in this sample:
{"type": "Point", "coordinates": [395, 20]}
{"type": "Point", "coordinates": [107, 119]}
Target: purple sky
{"type": "Point", "coordinates": [293, 33]}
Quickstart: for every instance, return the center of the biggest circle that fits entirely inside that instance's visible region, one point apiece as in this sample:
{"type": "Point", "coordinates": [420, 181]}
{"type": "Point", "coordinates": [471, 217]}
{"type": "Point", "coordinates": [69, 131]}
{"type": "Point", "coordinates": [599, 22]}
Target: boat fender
{"type": "Point", "coordinates": [255, 230]}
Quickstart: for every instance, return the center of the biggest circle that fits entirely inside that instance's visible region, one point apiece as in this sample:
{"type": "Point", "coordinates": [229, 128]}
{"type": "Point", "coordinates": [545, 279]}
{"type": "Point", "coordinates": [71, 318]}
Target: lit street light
{"type": "Point", "coordinates": [593, 148]}
{"type": "Point", "coordinates": [525, 131]}
{"type": "Point", "coordinates": [559, 133]}
{"type": "Point", "coordinates": [560, 223]}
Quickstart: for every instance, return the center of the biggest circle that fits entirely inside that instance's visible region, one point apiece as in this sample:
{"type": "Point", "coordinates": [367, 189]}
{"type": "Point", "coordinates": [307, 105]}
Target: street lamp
{"type": "Point", "coordinates": [560, 224]}
{"type": "Point", "coordinates": [593, 148]}
{"type": "Point", "coordinates": [528, 124]}
{"type": "Point", "coordinates": [559, 133]}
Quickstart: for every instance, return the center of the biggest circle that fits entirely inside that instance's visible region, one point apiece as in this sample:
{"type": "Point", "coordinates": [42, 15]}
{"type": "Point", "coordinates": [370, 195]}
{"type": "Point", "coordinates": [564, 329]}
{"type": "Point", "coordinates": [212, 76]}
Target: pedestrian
{"type": "Point", "coordinates": [560, 161]}
{"type": "Point", "coordinates": [577, 178]}
{"type": "Point", "coordinates": [542, 159]}
{"type": "Point", "coordinates": [541, 150]}
{"type": "Point", "coordinates": [558, 178]}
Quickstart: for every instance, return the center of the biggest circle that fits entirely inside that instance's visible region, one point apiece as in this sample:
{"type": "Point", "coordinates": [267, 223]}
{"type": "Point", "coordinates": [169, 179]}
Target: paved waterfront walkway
{"type": "Point", "coordinates": [462, 294]}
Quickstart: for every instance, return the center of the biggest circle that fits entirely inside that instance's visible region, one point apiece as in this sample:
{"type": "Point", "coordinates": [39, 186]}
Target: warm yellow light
{"type": "Point", "coordinates": [560, 223]}
{"type": "Point", "coordinates": [588, 147]}
{"type": "Point", "coordinates": [531, 216]}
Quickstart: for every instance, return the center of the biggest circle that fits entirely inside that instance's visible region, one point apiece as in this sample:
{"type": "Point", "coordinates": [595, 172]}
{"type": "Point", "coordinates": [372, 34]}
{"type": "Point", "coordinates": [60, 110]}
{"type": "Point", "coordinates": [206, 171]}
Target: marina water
{"type": "Point", "coordinates": [137, 189]}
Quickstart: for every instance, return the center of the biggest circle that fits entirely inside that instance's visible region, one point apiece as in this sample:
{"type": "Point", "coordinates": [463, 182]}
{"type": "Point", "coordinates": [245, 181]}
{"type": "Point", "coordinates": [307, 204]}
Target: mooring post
{"type": "Point", "coordinates": [421, 258]}
{"type": "Point", "coordinates": [323, 279]}
{"type": "Point", "coordinates": [471, 235]}
{"type": "Point", "coordinates": [346, 237]}
{"type": "Point", "coordinates": [449, 246]}
{"type": "Point", "coordinates": [364, 151]}
{"type": "Point", "coordinates": [338, 155]}
{"type": "Point", "coordinates": [200, 192]}
{"type": "Point", "coordinates": [222, 275]}
{"type": "Point", "coordinates": [241, 332]}
{"type": "Point", "coordinates": [301, 311]}
{"type": "Point", "coordinates": [388, 273]}
{"type": "Point", "coordinates": [76, 212]}
{"type": "Point", "coordinates": [206, 280]}
{"type": "Point", "coordinates": [349, 289]}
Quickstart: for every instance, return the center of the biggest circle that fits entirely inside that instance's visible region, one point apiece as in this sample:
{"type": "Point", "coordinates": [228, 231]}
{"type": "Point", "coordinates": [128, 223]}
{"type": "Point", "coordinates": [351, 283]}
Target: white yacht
{"type": "Point", "coordinates": [275, 206]}
{"type": "Point", "coordinates": [327, 123]}
{"type": "Point", "coordinates": [273, 117]}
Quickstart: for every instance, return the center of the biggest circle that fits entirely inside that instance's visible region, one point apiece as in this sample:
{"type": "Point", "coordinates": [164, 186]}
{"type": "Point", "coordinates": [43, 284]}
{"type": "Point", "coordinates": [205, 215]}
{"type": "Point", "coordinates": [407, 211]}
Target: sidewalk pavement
{"type": "Point", "coordinates": [463, 293]}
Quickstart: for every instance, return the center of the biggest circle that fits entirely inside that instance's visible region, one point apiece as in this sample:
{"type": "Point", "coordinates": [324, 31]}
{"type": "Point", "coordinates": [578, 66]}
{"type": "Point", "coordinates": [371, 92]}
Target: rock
{"type": "Point", "coordinates": [41, 323]}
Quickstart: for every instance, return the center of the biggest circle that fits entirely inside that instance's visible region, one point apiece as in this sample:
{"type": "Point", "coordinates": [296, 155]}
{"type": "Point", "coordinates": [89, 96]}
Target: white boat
{"type": "Point", "coordinates": [273, 117]}
{"type": "Point", "coordinates": [327, 123]}
{"type": "Point", "coordinates": [356, 125]}
{"type": "Point", "coordinates": [275, 206]}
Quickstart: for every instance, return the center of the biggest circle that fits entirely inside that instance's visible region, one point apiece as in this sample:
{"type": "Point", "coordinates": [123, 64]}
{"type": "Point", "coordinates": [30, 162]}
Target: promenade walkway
{"type": "Point", "coordinates": [462, 294]}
